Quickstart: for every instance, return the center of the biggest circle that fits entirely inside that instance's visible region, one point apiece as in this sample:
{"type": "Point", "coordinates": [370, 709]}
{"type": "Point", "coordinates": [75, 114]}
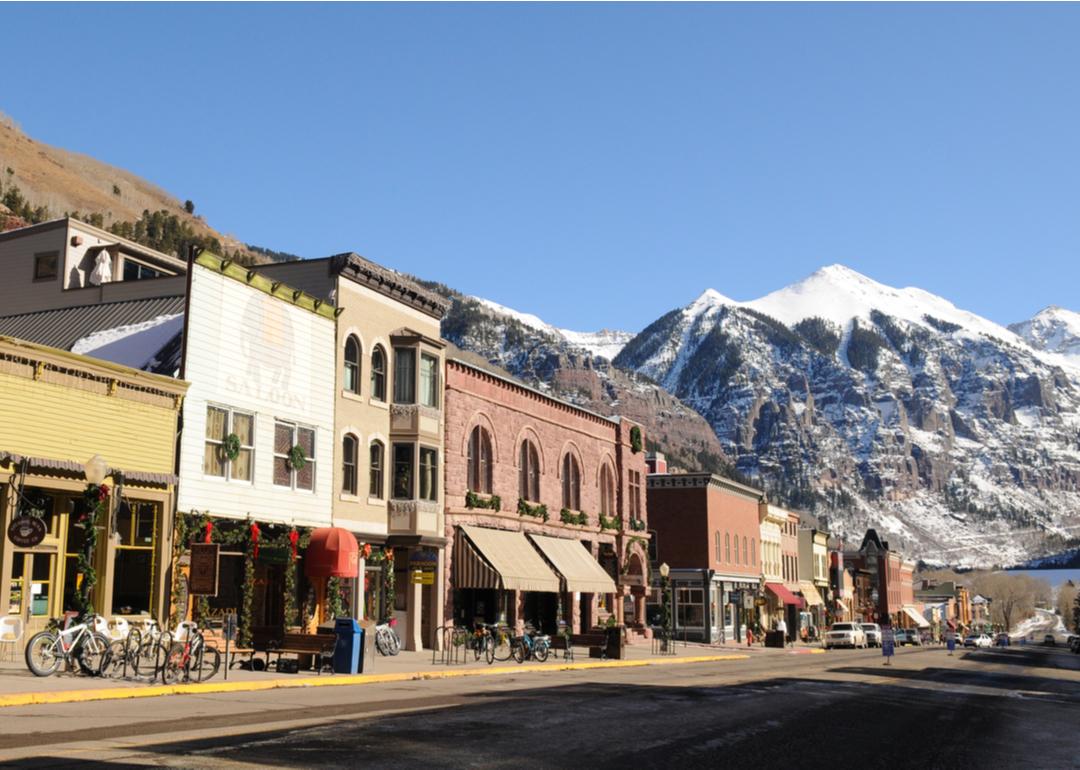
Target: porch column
{"type": "Point", "coordinates": [437, 599]}
{"type": "Point", "coordinates": [414, 601]}
{"type": "Point", "coordinates": [7, 512]}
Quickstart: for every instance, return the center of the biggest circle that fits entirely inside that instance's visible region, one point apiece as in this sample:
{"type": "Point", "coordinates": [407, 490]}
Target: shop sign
{"type": "Point", "coordinates": [424, 557]}
{"type": "Point", "coordinates": [204, 569]}
{"type": "Point", "coordinates": [632, 580]}
{"type": "Point", "coordinates": [26, 531]}
{"type": "Point", "coordinates": [275, 554]}
{"type": "Point", "coordinates": [423, 577]}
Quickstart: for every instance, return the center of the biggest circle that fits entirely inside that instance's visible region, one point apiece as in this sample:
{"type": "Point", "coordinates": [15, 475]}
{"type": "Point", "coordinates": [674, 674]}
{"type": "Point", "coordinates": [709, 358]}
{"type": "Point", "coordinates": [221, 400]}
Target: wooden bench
{"type": "Point", "coordinates": [597, 643]}
{"type": "Point", "coordinates": [215, 638]}
{"type": "Point", "coordinates": [320, 646]}
{"type": "Point", "coordinates": [263, 639]}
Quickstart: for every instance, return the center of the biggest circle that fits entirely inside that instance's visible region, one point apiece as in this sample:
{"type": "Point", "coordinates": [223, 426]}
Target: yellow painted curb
{"type": "Point", "coordinates": [153, 691]}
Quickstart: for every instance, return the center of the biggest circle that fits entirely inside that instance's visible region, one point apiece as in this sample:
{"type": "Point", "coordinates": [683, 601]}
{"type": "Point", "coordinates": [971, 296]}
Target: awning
{"type": "Point", "coordinates": [579, 570]}
{"type": "Point", "coordinates": [918, 619]}
{"type": "Point", "coordinates": [785, 596]}
{"type": "Point", "coordinates": [332, 552]}
{"type": "Point", "coordinates": [810, 593]}
{"type": "Point", "coordinates": [495, 558]}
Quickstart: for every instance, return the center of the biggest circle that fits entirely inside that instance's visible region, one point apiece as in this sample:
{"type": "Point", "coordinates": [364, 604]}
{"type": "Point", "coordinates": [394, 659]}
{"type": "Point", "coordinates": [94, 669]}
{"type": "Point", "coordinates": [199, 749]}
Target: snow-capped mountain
{"type": "Point", "coordinates": [605, 343]}
{"type": "Point", "coordinates": [885, 407]}
{"type": "Point", "coordinates": [1054, 330]}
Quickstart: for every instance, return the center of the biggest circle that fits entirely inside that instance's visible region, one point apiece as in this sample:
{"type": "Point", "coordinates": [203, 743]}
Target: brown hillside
{"type": "Point", "coordinates": [68, 181]}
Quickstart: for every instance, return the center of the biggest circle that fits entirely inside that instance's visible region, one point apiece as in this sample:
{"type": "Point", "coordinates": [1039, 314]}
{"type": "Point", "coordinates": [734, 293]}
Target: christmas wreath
{"type": "Point", "coordinates": [231, 446]}
{"type": "Point", "coordinates": [297, 459]}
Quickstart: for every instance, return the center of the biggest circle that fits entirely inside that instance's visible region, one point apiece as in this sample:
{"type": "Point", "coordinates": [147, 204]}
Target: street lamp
{"type": "Point", "coordinates": [96, 469]}
{"type": "Point", "coordinates": [665, 588]}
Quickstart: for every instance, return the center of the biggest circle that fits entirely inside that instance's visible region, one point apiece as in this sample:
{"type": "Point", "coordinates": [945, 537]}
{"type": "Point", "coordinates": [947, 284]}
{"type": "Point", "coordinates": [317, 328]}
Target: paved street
{"type": "Point", "coordinates": [999, 708]}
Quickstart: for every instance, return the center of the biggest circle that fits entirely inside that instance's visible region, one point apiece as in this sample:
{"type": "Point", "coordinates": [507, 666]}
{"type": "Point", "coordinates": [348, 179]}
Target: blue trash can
{"type": "Point", "coordinates": [347, 649]}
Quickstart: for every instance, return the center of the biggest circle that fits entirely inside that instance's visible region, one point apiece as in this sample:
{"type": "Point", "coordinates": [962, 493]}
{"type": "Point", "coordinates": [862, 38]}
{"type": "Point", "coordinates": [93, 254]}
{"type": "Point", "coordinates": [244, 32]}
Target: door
{"type": "Point", "coordinates": [33, 586]}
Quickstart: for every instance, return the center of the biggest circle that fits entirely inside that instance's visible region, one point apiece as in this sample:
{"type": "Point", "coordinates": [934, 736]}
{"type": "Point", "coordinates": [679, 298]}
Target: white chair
{"type": "Point", "coordinates": [101, 626]}
{"type": "Point", "coordinates": [11, 632]}
{"type": "Point", "coordinates": [119, 629]}
{"type": "Point", "coordinates": [182, 630]}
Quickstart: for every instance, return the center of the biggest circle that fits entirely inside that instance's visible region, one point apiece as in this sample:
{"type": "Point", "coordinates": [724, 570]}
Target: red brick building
{"type": "Point", "coordinates": [545, 509]}
{"type": "Point", "coordinates": [706, 530]}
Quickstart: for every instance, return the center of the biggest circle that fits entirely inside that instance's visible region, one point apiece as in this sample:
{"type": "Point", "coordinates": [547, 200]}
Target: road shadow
{"type": "Point", "coordinates": [780, 722]}
{"type": "Point", "coordinates": [1059, 658]}
{"type": "Point", "coordinates": [1061, 689]}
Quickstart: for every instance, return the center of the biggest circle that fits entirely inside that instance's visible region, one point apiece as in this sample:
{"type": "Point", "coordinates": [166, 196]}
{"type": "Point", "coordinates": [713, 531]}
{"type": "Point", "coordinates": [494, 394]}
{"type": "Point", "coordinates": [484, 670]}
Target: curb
{"type": "Point", "coordinates": [154, 691]}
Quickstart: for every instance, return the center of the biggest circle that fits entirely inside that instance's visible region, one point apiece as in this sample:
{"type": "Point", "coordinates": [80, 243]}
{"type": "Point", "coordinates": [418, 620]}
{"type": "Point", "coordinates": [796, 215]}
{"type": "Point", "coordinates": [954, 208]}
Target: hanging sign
{"type": "Point", "coordinates": [204, 569]}
{"type": "Point", "coordinates": [26, 531]}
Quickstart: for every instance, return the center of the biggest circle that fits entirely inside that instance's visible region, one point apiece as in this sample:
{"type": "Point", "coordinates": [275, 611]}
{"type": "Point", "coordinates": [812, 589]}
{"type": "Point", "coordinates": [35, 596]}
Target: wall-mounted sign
{"type": "Point", "coordinates": [204, 569]}
{"type": "Point", "coordinates": [423, 577]}
{"type": "Point", "coordinates": [630, 579]}
{"type": "Point", "coordinates": [424, 557]}
{"type": "Point", "coordinates": [26, 531]}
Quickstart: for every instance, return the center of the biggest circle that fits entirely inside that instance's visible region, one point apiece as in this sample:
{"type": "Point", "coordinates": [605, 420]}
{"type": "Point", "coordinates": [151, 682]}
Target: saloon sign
{"type": "Point", "coordinates": [26, 531]}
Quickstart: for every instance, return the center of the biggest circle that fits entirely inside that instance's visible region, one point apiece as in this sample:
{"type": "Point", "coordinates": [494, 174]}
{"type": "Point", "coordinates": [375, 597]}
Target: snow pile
{"type": "Point", "coordinates": [134, 345]}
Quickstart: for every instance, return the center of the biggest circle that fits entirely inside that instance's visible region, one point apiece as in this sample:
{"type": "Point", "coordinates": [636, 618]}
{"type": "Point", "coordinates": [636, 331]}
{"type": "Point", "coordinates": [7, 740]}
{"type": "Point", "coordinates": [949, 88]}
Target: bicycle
{"type": "Point", "coordinates": [193, 653]}
{"type": "Point", "coordinates": [531, 645]}
{"type": "Point", "coordinates": [124, 654]}
{"type": "Point", "coordinates": [74, 645]}
{"type": "Point", "coordinates": [482, 642]}
{"type": "Point", "coordinates": [502, 643]}
{"type": "Point", "coordinates": [386, 639]}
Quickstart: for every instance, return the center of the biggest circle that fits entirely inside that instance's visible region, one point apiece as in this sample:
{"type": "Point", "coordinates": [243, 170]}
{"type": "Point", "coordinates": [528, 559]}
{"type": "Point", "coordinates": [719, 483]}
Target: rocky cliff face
{"type": "Point", "coordinates": [883, 407]}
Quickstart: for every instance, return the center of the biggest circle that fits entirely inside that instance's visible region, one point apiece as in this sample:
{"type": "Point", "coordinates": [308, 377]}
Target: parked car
{"type": "Point", "coordinates": [845, 635]}
{"type": "Point", "coordinates": [1074, 644]}
{"type": "Point", "coordinates": [873, 634]}
{"type": "Point", "coordinates": [1002, 640]}
{"type": "Point", "coordinates": [977, 640]}
{"type": "Point", "coordinates": [907, 636]}
{"type": "Point", "coordinates": [1049, 640]}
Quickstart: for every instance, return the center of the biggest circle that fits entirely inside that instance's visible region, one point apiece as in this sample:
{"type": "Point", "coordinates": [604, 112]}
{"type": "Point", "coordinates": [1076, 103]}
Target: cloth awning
{"type": "Point", "coordinates": [916, 618]}
{"type": "Point", "coordinates": [785, 596]}
{"type": "Point", "coordinates": [810, 593]}
{"type": "Point", "coordinates": [579, 570]}
{"type": "Point", "coordinates": [495, 558]}
{"type": "Point", "coordinates": [332, 552]}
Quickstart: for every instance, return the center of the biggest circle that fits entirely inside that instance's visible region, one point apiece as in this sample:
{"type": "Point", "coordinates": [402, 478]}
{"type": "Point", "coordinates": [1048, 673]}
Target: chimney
{"type": "Point", "coordinates": [656, 462]}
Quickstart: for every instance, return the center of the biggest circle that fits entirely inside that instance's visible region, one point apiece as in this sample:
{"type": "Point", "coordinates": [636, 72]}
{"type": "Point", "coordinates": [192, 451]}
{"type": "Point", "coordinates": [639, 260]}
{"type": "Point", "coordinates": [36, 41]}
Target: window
{"type": "Point", "coordinates": [375, 467]}
{"type": "Point", "coordinates": [716, 543]}
{"type": "Point", "coordinates": [46, 266]}
{"type": "Point", "coordinates": [479, 461]}
{"type": "Point", "coordinates": [745, 553]}
{"type": "Point", "coordinates": [607, 491]}
{"type": "Point", "coordinates": [349, 448]}
{"type": "Point", "coordinates": [653, 550]}
{"type": "Point", "coordinates": [136, 527]}
{"type": "Point", "coordinates": [727, 547]}
{"type": "Point", "coordinates": [753, 552]}
{"type": "Point", "coordinates": [429, 474]}
{"type": "Point", "coordinates": [220, 424]}
{"type": "Point", "coordinates": [737, 550]}
{"type": "Point", "coordinates": [352, 365]}
{"type": "Point", "coordinates": [571, 483]}
{"type": "Point", "coordinates": [403, 471]}
{"type": "Point", "coordinates": [529, 472]}
{"type": "Point", "coordinates": [286, 436]}
{"type": "Point", "coordinates": [404, 376]}
{"type": "Point", "coordinates": [378, 373]}
{"type": "Point", "coordinates": [690, 607]}
{"type": "Point", "coordinates": [429, 381]}
{"type": "Point", "coordinates": [136, 271]}
{"type": "Point", "coordinates": [635, 494]}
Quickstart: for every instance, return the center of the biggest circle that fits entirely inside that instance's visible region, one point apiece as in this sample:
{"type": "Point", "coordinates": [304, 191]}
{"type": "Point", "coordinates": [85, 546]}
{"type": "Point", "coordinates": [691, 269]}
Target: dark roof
{"type": "Point", "coordinates": [63, 327]}
{"type": "Point", "coordinates": [390, 283]}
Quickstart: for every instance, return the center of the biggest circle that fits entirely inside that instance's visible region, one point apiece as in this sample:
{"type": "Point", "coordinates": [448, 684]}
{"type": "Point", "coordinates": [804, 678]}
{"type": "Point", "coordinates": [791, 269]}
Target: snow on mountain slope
{"type": "Point", "coordinates": [605, 343]}
{"type": "Point", "coordinates": [1054, 330]}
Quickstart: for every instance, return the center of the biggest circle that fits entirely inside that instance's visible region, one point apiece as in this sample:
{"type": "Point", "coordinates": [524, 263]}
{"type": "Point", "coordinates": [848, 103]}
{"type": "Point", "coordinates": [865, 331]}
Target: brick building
{"type": "Point", "coordinates": [545, 510]}
{"type": "Point", "coordinates": [706, 530]}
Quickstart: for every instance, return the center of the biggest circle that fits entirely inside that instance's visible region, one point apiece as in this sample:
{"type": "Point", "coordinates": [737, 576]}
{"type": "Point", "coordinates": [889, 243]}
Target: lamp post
{"type": "Point", "coordinates": [665, 588]}
{"type": "Point", "coordinates": [95, 497]}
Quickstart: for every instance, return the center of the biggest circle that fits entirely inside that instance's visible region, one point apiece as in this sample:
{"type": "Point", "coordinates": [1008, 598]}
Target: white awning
{"type": "Point", "coordinates": [810, 593]}
{"type": "Point", "coordinates": [918, 619]}
{"type": "Point", "coordinates": [496, 558]}
{"type": "Point", "coordinates": [578, 568]}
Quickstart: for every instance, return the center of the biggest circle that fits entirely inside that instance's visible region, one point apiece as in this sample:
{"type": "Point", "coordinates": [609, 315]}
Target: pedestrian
{"type": "Point", "coordinates": [781, 626]}
{"type": "Point", "coordinates": [749, 637]}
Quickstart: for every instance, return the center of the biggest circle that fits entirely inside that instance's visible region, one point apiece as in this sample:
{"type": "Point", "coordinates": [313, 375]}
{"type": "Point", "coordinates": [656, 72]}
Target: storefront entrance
{"type": "Point", "coordinates": [542, 610]}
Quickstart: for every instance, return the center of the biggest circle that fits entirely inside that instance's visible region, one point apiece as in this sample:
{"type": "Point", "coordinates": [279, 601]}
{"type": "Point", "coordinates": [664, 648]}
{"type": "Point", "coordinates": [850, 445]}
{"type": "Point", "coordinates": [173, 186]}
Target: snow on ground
{"type": "Point", "coordinates": [132, 345]}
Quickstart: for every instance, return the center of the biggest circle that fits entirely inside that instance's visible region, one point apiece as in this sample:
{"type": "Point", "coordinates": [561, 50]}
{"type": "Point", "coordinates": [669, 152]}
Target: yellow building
{"type": "Point", "coordinates": [57, 411]}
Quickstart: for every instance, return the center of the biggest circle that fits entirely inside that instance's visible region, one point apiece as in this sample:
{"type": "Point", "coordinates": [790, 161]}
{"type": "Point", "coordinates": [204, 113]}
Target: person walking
{"type": "Point", "coordinates": [749, 637]}
{"type": "Point", "coordinates": [781, 626]}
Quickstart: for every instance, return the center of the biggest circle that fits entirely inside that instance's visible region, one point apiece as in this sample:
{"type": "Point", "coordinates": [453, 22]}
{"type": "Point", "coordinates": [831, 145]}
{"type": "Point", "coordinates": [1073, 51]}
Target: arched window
{"type": "Point", "coordinates": [753, 552]}
{"type": "Point", "coordinates": [529, 472]}
{"type": "Point", "coordinates": [737, 550]}
{"type": "Point", "coordinates": [378, 373]}
{"type": "Point", "coordinates": [479, 461]}
{"type": "Point", "coordinates": [745, 553]}
{"type": "Point", "coordinates": [571, 483]}
{"type": "Point", "coordinates": [352, 364]}
{"type": "Point", "coordinates": [607, 491]}
{"type": "Point", "coordinates": [727, 547]}
{"type": "Point", "coordinates": [375, 468]}
{"type": "Point", "coordinates": [349, 447]}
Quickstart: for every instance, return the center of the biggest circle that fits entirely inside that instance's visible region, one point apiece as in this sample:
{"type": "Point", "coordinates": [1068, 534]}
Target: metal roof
{"type": "Point", "coordinates": [63, 327]}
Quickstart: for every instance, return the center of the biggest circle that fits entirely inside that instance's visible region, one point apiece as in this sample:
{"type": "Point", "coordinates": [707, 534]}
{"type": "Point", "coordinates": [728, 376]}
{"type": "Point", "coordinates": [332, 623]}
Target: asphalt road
{"type": "Point", "coordinates": [1016, 707]}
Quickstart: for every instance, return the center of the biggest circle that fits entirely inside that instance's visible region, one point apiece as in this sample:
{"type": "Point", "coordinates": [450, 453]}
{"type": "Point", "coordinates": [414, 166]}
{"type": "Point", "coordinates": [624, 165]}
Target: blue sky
{"type": "Point", "coordinates": [597, 165]}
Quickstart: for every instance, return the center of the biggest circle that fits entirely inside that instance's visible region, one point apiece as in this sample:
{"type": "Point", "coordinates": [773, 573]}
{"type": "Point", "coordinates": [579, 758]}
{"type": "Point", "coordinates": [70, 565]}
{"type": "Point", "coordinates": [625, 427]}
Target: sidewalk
{"type": "Point", "coordinates": [19, 687]}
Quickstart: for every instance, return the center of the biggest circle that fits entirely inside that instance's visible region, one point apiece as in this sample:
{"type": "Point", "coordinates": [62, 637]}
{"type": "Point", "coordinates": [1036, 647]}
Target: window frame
{"type": "Point", "coordinates": [39, 257]}
{"type": "Point", "coordinates": [378, 374]}
{"type": "Point", "coordinates": [571, 482]}
{"type": "Point", "coordinates": [394, 470]}
{"type": "Point", "coordinates": [124, 547]}
{"type": "Point", "coordinates": [379, 448]}
{"type": "Point", "coordinates": [432, 385]}
{"type": "Point", "coordinates": [230, 414]}
{"type": "Point", "coordinates": [427, 475]}
{"type": "Point", "coordinates": [293, 473]}
{"type": "Point", "coordinates": [352, 364]}
{"type": "Point", "coordinates": [479, 477]}
{"type": "Point", "coordinates": [401, 352]}
{"type": "Point", "coordinates": [529, 472]}
{"type": "Point", "coordinates": [350, 464]}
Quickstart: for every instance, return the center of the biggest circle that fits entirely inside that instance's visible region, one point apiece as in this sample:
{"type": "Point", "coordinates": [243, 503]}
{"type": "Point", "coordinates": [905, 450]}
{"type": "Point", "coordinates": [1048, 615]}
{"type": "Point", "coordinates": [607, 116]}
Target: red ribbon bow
{"type": "Point", "coordinates": [294, 538]}
{"type": "Point", "coordinates": [103, 492]}
{"type": "Point", "coordinates": [209, 530]}
{"type": "Point", "coordinates": [255, 539]}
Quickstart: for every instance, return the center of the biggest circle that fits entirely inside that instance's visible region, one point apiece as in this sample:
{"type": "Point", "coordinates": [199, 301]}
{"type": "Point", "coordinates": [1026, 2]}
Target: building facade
{"type": "Point", "coordinates": [814, 577]}
{"type": "Point", "coordinates": [706, 530]}
{"type": "Point", "coordinates": [546, 517]}
{"type": "Point", "coordinates": [57, 411]}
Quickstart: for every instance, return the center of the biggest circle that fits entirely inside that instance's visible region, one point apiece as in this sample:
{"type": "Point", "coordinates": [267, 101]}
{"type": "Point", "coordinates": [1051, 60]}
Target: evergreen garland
{"type": "Point", "coordinates": [536, 511]}
{"type": "Point", "coordinates": [95, 498]}
{"type": "Point", "coordinates": [297, 459]}
{"type": "Point", "coordinates": [231, 446]}
{"type": "Point", "coordinates": [243, 634]}
{"type": "Point", "coordinates": [335, 607]}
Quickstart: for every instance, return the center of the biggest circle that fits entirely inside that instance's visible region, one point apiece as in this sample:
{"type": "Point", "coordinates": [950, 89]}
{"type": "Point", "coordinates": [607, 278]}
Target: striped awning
{"type": "Point", "coordinates": [495, 558]}
{"type": "Point", "coordinates": [810, 593]}
{"type": "Point", "coordinates": [579, 570]}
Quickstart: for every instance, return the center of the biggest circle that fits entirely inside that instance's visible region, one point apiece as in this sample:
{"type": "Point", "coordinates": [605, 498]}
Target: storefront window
{"type": "Point", "coordinates": [40, 583]}
{"type": "Point", "coordinates": [689, 607]}
{"type": "Point", "coordinates": [76, 537]}
{"type": "Point", "coordinates": [17, 586]}
{"type": "Point", "coordinates": [134, 576]}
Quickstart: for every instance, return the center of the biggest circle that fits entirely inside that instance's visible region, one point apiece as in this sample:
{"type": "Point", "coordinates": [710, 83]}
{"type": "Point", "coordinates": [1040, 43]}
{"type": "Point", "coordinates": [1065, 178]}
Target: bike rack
{"type": "Point", "coordinates": [453, 647]}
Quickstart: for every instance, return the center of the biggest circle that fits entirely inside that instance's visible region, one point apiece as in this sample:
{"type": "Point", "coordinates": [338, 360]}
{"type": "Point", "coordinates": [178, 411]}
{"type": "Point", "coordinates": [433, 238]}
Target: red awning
{"type": "Point", "coordinates": [332, 552]}
{"type": "Point", "coordinates": [784, 595]}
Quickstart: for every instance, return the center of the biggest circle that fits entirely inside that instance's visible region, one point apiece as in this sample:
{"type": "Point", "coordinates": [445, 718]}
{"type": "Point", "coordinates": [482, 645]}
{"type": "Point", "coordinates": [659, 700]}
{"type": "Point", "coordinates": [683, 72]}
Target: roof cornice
{"type": "Point", "coordinates": [389, 283]}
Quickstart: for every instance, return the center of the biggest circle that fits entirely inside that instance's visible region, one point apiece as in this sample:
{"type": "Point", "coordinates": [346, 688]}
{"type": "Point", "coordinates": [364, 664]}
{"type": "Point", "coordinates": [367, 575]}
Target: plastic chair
{"type": "Point", "coordinates": [11, 632]}
{"type": "Point", "coordinates": [101, 626]}
{"type": "Point", "coordinates": [182, 630]}
{"type": "Point", "coordinates": [119, 629]}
